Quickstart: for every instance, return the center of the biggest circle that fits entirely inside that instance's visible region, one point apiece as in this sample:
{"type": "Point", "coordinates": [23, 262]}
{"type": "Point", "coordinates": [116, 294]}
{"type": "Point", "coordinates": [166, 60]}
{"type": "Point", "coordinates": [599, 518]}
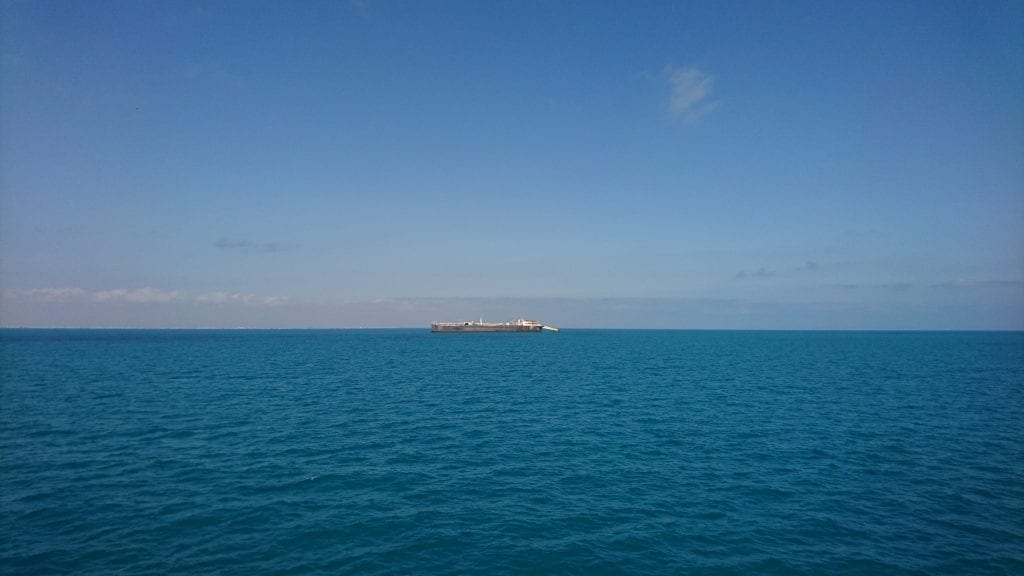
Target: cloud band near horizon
{"type": "Point", "coordinates": [145, 295]}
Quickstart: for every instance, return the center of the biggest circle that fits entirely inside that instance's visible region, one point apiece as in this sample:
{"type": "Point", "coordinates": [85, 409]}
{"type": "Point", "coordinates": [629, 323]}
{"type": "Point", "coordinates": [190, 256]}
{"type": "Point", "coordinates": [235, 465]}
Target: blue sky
{"type": "Point", "coordinates": [849, 165]}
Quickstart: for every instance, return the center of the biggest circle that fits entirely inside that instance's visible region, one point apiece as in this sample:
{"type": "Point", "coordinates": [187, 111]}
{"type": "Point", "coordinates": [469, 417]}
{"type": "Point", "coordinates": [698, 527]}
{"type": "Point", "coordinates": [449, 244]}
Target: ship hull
{"type": "Point", "coordinates": [477, 327]}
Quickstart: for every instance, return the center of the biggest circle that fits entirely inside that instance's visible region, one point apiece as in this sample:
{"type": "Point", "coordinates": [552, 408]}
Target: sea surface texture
{"type": "Point", "coordinates": [584, 452]}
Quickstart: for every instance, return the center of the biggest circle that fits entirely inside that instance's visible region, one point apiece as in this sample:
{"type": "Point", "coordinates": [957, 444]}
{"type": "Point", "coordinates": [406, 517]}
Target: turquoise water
{"type": "Point", "coordinates": [585, 452]}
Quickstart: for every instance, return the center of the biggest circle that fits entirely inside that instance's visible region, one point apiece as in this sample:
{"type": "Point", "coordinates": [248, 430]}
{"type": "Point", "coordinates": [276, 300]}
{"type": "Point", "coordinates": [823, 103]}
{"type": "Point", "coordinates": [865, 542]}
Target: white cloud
{"type": "Point", "coordinates": [55, 294]}
{"type": "Point", "coordinates": [46, 294]}
{"type": "Point", "coordinates": [690, 93]}
{"type": "Point", "coordinates": [147, 295]}
{"type": "Point", "coordinates": [221, 298]}
{"type": "Point", "coordinates": [139, 296]}
{"type": "Point", "coordinates": [218, 298]}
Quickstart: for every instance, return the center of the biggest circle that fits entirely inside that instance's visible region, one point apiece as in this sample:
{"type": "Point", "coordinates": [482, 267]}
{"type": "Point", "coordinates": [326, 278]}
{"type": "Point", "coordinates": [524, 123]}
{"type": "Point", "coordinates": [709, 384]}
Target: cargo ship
{"type": "Point", "coordinates": [481, 326]}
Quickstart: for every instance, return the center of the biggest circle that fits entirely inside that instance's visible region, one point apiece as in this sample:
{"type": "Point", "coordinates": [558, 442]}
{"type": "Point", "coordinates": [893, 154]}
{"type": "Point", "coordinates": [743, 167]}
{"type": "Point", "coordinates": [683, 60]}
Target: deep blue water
{"type": "Point", "coordinates": [585, 452]}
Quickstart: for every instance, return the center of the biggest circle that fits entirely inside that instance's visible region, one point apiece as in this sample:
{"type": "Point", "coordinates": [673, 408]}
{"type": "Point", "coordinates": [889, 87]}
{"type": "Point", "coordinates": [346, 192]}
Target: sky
{"type": "Point", "coordinates": [734, 165]}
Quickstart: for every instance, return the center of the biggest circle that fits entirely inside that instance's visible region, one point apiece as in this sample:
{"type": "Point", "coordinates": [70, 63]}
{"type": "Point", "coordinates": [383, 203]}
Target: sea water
{"type": "Point", "coordinates": [584, 452]}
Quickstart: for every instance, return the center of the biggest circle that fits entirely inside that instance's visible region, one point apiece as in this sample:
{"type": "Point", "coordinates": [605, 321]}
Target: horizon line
{"type": "Point", "coordinates": [563, 328]}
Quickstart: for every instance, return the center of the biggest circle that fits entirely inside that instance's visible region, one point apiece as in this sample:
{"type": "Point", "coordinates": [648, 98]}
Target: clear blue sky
{"type": "Point", "coordinates": [631, 164]}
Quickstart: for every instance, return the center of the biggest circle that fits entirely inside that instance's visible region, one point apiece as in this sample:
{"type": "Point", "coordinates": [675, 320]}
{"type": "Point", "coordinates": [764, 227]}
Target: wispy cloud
{"type": "Point", "coordinates": [959, 284]}
{"type": "Point", "coordinates": [965, 283]}
{"type": "Point", "coordinates": [247, 245]}
{"type": "Point", "coordinates": [139, 296]}
{"type": "Point", "coordinates": [50, 294]}
{"type": "Point", "coordinates": [897, 286]}
{"type": "Point", "coordinates": [222, 298]}
{"type": "Point", "coordinates": [147, 295]}
{"type": "Point", "coordinates": [883, 286]}
{"type": "Point", "coordinates": [689, 93]}
{"type": "Point", "coordinates": [807, 267]}
{"type": "Point", "coordinates": [761, 272]}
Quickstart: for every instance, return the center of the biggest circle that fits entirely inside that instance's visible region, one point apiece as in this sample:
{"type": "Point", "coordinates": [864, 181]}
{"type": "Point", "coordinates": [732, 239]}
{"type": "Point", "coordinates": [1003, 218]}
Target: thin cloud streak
{"type": "Point", "coordinates": [761, 272]}
{"type": "Point", "coordinates": [50, 294]}
{"type": "Point", "coordinates": [247, 245]}
{"type": "Point", "coordinates": [222, 298]}
{"type": "Point", "coordinates": [964, 283]}
{"type": "Point", "coordinates": [147, 295]}
{"type": "Point", "coordinates": [140, 296]}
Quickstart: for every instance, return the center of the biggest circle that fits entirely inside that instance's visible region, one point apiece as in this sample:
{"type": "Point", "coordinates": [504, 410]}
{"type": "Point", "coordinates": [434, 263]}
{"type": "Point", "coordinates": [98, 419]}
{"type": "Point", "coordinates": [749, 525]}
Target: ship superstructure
{"type": "Point", "coordinates": [520, 325]}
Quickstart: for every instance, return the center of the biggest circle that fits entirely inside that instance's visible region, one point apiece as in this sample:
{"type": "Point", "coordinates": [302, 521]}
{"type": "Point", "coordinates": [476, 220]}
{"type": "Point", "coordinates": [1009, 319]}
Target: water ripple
{"type": "Point", "coordinates": [392, 452]}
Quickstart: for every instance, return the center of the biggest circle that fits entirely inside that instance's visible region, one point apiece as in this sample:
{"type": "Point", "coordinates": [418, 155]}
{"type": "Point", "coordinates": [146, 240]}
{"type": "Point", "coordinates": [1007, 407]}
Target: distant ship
{"type": "Point", "coordinates": [481, 326]}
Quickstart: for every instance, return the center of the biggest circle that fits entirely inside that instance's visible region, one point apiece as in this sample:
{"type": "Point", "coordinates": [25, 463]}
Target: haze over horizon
{"type": "Point", "coordinates": [798, 165]}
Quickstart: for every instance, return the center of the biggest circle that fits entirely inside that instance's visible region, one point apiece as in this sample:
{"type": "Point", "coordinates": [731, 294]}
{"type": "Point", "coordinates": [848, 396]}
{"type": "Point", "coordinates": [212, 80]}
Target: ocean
{"type": "Point", "coordinates": [583, 452]}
